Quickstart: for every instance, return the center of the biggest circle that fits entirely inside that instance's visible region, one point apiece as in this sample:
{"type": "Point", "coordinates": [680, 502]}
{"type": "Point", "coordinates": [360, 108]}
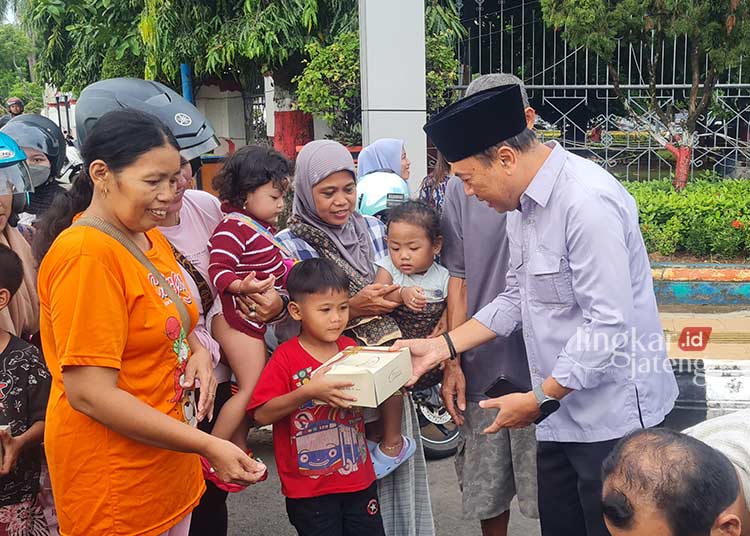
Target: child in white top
{"type": "Point", "coordinates": [414, 240]}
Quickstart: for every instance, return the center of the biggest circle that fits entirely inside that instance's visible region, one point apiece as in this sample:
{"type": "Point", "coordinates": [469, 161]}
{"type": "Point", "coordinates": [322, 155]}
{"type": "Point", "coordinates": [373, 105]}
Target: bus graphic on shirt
{"type": "Point", "coordinates": [328, 441]}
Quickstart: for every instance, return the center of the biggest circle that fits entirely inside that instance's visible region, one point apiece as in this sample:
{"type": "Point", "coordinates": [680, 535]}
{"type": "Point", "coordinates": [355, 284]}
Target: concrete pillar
{"type": "Point", "coordinates": [393, 77]}
{"type": "Point", "coordinates": [226, 112]}
{"type": "Point", "coordinates": [268, 89]}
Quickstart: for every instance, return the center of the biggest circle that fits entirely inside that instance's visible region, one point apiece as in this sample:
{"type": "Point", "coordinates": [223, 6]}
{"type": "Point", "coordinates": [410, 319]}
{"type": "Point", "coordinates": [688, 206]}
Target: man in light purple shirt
{"type": "Point", "coordinates": [579, 283]}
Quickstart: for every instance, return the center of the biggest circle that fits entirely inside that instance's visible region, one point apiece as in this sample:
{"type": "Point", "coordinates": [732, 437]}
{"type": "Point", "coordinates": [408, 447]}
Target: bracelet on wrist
{"type": "Point", "coordinates": [451, 347]}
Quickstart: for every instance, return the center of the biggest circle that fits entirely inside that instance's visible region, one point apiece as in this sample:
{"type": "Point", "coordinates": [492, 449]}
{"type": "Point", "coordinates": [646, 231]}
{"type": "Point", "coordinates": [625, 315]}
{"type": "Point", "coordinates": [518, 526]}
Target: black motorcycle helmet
{"type": "Point", "coordinates": [194, 133]}
{"type": "Point", "coordinates": [14, 100]}
{"type": "Point", "coordinates": [42, 134]}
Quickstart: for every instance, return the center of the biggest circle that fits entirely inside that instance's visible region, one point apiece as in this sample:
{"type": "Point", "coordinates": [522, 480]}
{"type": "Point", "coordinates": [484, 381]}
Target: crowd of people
{"type": "Point", "coordinates": [130, 301]}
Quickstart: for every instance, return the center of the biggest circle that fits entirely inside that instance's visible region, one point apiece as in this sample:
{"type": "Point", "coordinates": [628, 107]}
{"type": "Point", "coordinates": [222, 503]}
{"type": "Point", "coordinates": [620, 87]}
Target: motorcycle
{"type": "Point", "coordinates": [439, 432]}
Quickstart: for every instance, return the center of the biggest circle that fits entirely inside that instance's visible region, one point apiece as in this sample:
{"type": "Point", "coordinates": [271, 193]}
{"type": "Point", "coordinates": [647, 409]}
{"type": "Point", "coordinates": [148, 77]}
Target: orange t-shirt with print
{"type": "Point", "coordinates": [101, 307]}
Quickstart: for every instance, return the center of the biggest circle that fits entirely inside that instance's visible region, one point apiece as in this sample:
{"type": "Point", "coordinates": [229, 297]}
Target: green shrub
{"type": "Point", "coordinates": [330, 86]}
{"type": "Point", "coordinates": [708, 218]}
{"type": "Point", "coordinates": [330, 82]}
{"type": "Point", "coordinates": [442, 71]}
{"type": "Point", "coordinates": [32, 94]}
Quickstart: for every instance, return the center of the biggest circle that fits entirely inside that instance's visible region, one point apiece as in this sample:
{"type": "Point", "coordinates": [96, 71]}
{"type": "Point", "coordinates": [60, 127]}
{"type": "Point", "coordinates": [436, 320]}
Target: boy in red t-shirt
{"type": "Point", "coordinates": [321, 452]}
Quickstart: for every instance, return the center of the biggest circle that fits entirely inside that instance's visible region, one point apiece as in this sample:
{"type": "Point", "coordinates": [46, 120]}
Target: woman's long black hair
{"type": "Point", "coordinates": [118, 138]}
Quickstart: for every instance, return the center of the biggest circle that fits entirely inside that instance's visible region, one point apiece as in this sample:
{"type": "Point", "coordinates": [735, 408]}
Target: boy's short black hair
{"type": "Point", "coordinates": [315, 276]}
{"type": "Point", "coordinates": [250, 168]}
{"type": "Point", "coordinates": [11, 270]}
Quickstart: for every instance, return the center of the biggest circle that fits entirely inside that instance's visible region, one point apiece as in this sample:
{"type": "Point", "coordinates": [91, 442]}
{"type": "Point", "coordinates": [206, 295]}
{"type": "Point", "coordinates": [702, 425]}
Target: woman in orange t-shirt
{"type": "Point", "coordinates": [119, 441]}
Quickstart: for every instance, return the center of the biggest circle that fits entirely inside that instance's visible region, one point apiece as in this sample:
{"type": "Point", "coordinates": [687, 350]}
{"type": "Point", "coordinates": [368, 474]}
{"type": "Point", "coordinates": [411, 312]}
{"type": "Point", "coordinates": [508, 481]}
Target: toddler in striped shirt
{"type": "Point", "coordinates": [251, 186]}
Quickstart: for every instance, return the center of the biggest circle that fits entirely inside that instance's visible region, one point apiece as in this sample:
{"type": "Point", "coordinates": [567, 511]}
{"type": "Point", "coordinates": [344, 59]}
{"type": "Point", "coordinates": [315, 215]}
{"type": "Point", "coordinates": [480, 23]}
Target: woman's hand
{"type": "Point", "coordinates": [414, 298]}
{"type": "Point", "coordinates": [264, 307]}
{"type": "Point", "coordinates": [200, 367]}
{"type": "Point", "coordinates": [231, 464]}
{"type": "Point", "coordinates": [371, 301]}
{"type": "Point", "coordinates": [11, 450]}
{"type": "Point", "coordinates": [12, 447]}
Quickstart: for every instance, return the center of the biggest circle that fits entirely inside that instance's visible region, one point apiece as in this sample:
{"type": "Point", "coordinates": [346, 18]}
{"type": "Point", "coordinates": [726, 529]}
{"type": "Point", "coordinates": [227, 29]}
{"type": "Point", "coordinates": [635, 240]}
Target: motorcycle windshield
{"type": "Point", "coordinates": [15, 179]}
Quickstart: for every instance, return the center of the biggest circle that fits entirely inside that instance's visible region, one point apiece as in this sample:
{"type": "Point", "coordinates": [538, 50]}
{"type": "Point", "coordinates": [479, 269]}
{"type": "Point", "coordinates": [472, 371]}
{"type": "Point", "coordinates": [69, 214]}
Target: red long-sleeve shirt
{"type": "Point", "coordinates": [237, 249]}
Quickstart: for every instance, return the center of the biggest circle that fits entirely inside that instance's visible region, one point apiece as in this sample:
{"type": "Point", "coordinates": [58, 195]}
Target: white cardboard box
{"type": "Point", "coordinates": [375, 372]}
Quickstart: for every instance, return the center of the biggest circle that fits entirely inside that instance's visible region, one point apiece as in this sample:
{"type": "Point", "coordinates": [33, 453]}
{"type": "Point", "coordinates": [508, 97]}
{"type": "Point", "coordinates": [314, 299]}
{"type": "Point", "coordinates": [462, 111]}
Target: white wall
{"type": "Point", "coordinates": [225, 110]}
{"type": "Point", "coordinates": [392, 60]}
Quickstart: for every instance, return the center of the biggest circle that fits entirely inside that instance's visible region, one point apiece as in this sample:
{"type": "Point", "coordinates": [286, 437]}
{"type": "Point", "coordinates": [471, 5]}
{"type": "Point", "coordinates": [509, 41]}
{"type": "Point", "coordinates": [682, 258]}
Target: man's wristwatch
{"type": "Point", "coordinates": [547, 404]}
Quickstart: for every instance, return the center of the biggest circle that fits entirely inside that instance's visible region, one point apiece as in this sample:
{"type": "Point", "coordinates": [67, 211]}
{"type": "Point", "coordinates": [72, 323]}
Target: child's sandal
{"type": "Point", "coordinates": [383, 464]}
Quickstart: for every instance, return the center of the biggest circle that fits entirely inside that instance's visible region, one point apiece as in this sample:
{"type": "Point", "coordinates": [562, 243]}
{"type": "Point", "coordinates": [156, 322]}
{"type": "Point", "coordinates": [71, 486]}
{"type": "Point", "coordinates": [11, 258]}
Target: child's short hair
{"type": "Point", "coordinates": [248, 169]}
{"type": "Point", "coordinates": [419, 214]}
{"type": "Point", "coordinates": [315, 276]}
{"type": "Point", "coordinates": [11, 270]}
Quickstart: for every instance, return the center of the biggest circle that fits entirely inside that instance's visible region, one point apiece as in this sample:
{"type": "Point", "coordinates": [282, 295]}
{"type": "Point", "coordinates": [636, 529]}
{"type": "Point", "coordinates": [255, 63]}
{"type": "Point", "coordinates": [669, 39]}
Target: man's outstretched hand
{"type": "Point", "coordinates": [426, 354]}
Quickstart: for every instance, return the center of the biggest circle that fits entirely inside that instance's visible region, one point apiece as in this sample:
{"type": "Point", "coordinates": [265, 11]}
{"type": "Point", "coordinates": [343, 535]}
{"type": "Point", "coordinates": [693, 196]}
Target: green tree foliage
{"type": "Point", "coordinates": [330, 86]}
{"type": "Point", "coordinates": [32, 94]}
{"type": "Point", "coordinates": [76, 36]}
{"type": "Point", "coordinates": [15, 47]}
{"type": "Point", "coordinates": [84, 40]}
{"type": "Point", "coordinates": [442, 70]}
{"type": "Point", "coordinates": [330, 82]}
{"type": "Point", "coordinates": [441, 18]}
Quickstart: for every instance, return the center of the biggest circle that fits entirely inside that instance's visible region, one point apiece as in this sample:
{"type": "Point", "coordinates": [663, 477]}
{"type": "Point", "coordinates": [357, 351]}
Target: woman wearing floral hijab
{"type": "Point", "coordinates": [324, 224]}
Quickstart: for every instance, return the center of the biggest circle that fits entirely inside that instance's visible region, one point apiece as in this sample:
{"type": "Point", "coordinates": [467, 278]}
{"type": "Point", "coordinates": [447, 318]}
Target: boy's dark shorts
{"type": "Point", "coordinates": [338, 514]}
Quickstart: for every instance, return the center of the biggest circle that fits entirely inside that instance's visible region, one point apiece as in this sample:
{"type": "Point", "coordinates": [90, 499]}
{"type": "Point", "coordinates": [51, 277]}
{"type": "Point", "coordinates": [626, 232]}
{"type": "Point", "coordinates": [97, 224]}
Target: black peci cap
{"type": "Point", "coordinates": [477, 122]}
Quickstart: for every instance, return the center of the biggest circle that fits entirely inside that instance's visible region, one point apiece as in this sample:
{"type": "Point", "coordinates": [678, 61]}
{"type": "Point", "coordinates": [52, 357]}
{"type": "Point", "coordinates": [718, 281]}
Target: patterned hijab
{"type": "Point", "coordinates": [381, 155]}
{"type": "Point", "coordinates": [316, 161]}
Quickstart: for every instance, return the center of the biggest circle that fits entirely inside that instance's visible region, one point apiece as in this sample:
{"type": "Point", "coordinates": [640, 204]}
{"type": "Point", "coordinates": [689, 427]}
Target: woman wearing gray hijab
{"type": "Point", "coordinates": [325, 224]}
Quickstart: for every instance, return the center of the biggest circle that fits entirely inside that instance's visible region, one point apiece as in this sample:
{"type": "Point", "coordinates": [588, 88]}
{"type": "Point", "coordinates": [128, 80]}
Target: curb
{"type": "Point", "coordinates": [708, 388]}
{"type": "Point", "coordinates": [701, 284]}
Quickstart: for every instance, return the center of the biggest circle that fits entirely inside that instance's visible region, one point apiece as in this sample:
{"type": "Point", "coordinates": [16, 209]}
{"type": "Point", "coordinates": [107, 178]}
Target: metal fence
{"type": "Point", "coordinates": [571, 89]}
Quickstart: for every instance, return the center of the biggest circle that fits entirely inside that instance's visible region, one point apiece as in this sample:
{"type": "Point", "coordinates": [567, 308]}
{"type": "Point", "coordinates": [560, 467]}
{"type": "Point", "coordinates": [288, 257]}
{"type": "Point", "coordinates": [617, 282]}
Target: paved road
{"type": "Point", "coordinates": [259, 510]}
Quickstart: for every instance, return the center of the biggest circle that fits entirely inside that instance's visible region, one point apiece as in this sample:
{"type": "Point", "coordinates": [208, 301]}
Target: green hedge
{"type": "Point", "coordinates": [708, 218]}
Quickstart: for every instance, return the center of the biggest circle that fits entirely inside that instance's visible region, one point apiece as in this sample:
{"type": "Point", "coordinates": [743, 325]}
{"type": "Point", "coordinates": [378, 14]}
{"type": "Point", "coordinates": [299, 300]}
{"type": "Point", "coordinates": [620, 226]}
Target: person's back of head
{"type": "Point", "coordinates": [11, 275]}
{"type": "Point", "coordinates": [489, 81]}
{"type": "Point", "coordinates": [660, 479]}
